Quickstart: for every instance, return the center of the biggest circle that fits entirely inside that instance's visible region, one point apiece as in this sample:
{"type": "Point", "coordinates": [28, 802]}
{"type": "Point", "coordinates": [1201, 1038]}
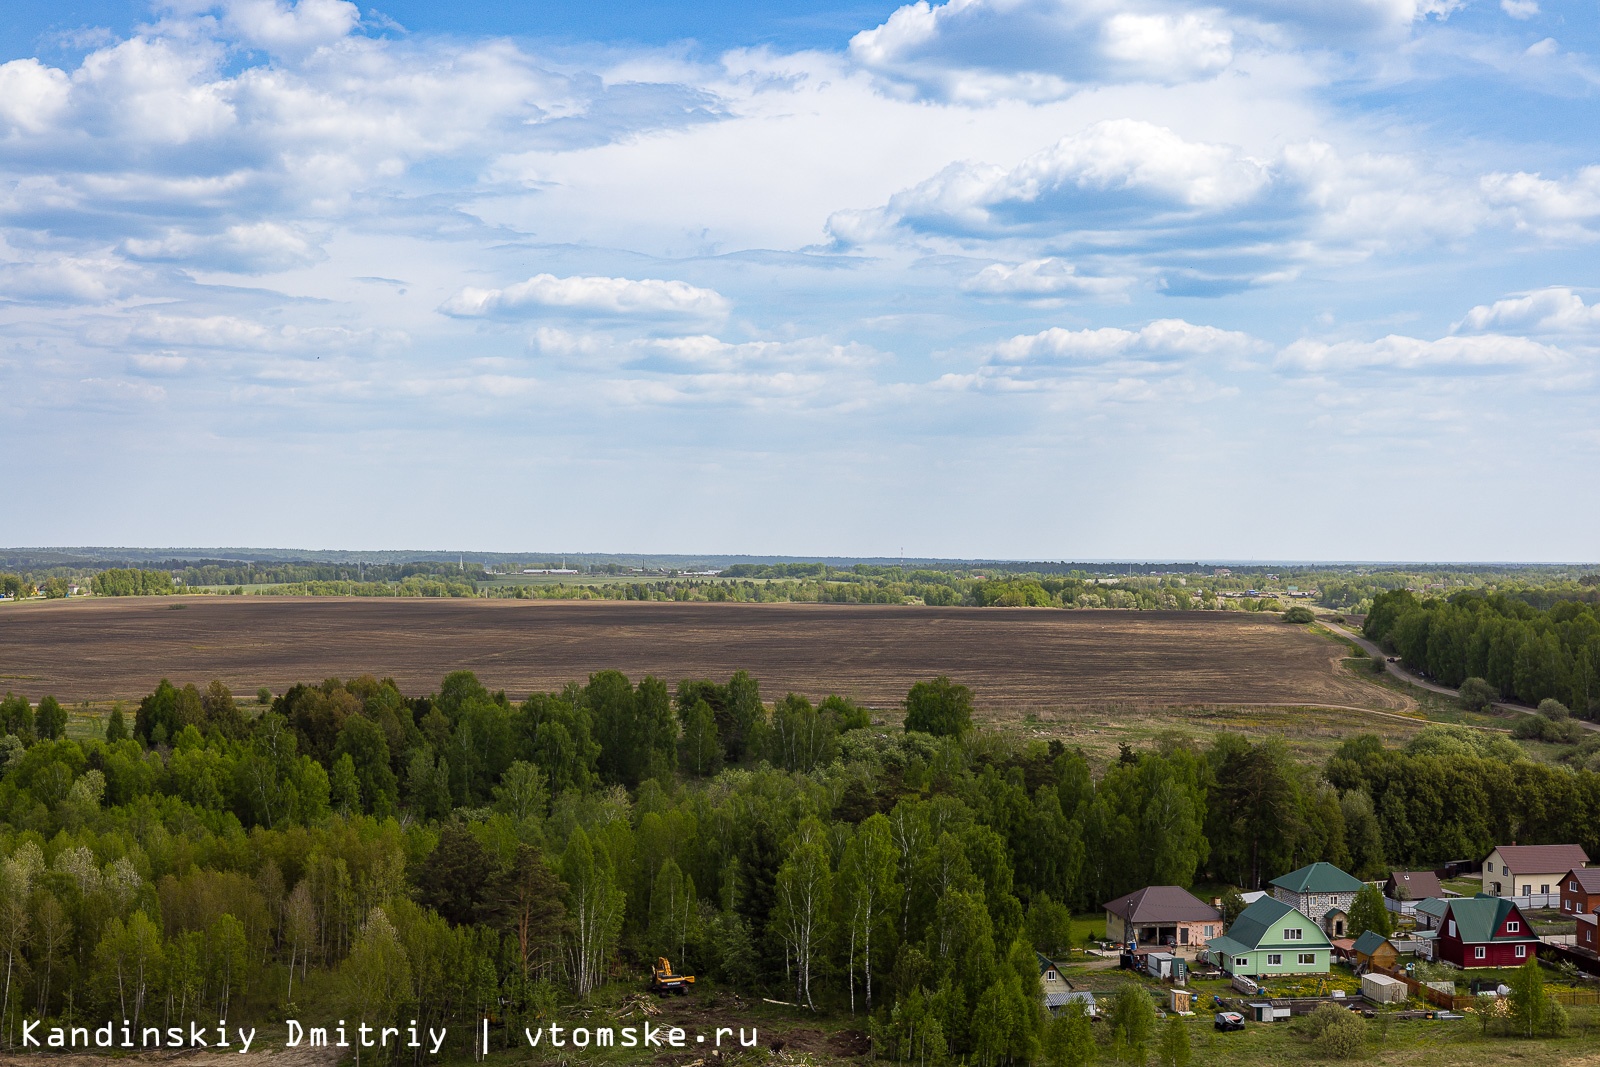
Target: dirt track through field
{"type": "Point", "coordinates": [1012, 658]}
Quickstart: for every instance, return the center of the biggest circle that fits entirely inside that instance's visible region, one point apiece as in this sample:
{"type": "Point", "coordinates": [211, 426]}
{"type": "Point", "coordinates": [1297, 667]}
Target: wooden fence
{"type": "Point", "coordinates": [1438, 998]}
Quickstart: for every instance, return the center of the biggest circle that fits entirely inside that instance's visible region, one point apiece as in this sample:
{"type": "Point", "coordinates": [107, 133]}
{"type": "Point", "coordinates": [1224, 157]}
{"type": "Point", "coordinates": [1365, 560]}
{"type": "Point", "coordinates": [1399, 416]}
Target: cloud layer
{"type": "Point", "coordinates": [1033, 237]}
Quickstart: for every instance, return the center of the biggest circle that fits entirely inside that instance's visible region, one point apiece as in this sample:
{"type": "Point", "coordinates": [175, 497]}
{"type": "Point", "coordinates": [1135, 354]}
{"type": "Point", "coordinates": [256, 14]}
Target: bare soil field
{"type": "Point", "coordinates": [1015, 660]}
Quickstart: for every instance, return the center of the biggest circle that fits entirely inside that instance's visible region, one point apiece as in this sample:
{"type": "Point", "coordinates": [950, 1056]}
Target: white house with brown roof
{"type": "Point", "coordinates": [1531, 873]}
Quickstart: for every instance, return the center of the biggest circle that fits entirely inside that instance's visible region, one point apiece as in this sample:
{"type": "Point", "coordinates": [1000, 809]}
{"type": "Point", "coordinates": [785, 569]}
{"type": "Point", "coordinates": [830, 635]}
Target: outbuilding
{"type": "Point", "coordinates": [1382, 989]}
{"type": "Point", "coordinates": [1372, 949]}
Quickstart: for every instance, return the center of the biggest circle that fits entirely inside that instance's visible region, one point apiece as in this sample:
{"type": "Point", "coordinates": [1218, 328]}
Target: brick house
{"type": "Point", "coordinates": [1485, 931]}
{"type": "Point", "coordinates": [1321, 891]}
{"type": "Point", "coordinates": [1580, 890]}
{"type": "Point", "coordinates": [1588, 935]}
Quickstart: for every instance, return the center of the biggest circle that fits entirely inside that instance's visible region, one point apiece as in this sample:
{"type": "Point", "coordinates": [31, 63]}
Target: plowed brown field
{"type": "Point", "coordinates": [1013, 659]}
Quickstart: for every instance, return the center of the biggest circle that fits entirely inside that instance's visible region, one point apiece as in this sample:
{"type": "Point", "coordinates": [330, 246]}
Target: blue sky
{"type": "Point", "coordinates": [1014, 278]}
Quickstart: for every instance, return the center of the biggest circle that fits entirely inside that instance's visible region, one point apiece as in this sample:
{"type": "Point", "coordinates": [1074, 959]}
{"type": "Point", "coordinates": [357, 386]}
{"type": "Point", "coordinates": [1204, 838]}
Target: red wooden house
{"type": "Point", "coordinates": [1580, 890]}
{"type": "Point", "coordinates": [1485, 931]}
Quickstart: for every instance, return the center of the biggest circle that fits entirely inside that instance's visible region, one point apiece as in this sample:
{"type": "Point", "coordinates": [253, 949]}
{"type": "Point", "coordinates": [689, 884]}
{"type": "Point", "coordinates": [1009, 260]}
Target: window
{"type": "Point", "coordinates": [1452, 928]}
{"type": "Point", "coordinates": [1572, 886]}
{"type": "Point", "coordinates": [1522, 951]}
{"type": "Point", "coordinates": [1241, 961]}
{"type": "Point", "coordinates": [1513, 927]}
{"type": "Point", "coordinates": [1478, 953]}
{"type": "Point", "coordinates": [1527, 890]}
{"type": "Point", "coordinates": [1291, 933]}
{"type": "Point", "coordinates": [1308, 957]}
{"type": "Point", "coordinates": [1049, 976]}
{"type": "Point", "coordinates": [1209, 931]}
{"type": "Point", "coordinates": [1274, 959]}
{"type": "Point", "coordinates": [1544, 889]}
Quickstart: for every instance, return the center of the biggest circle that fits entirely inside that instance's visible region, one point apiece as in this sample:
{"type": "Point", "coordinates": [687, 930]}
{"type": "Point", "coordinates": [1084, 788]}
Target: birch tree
{"type": "Point", "coordinates": [672, 913]}
{"type": "Point", "coordinates": [595, 906]}
{"type": "Point", "coordinates": [869, 893]}
{"type": "Point", "coordinates": [804, 890]}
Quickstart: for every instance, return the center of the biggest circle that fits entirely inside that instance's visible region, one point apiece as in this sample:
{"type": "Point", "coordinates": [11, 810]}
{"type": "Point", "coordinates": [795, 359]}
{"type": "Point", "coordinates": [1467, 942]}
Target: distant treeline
{"type": "Point", "coordinates": [1525, 652]}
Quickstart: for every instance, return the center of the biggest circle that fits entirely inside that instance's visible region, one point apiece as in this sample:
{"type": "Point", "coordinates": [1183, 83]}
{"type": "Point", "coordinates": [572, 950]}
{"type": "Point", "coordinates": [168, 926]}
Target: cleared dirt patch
{"type": "Point", "coordinates": [1014, 659]}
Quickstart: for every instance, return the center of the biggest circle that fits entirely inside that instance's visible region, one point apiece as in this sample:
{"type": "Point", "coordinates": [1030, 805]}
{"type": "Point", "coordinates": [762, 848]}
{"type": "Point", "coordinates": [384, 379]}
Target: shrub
{"type": "Point", "coordinates": [1337, 1032]}
{"type": "Point", "coordinates": [1476, 694]}
{"type": "Point", "coordinates": [1299, 613]}
{"type": "Point", "coordinates": [1553, 709]}
{"type": "Point", "coordinates": [263, 695]}
{"type": "Point", "coordinates": [1555, 731]}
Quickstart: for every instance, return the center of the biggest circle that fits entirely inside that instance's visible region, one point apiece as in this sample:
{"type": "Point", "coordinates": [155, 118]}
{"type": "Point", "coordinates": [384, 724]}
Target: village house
{"type": "Point", "coordinates": [1430, 913]}
{"type": "Point", "coordinates": [1271, 937]}
{"type": "Point", "coordinates": [1321, 891]}
{"type": "Point", "coordinates": [1485, 931]}
{"type": "Point", "coordinates": [1162, 915]}
{"type": "Point", "coordinates": [1588, 934]}
{"type": "Point", "coordinates": [1530, 870]}
{"type": "Point", "coordinates": [1372, 949]}
{"type": "Point", "coordinates": [1412, 885]}
{"type": "Point", "coordinates": [1580, 890]}
{"type": "Point", "coordinates": [1055, 987]}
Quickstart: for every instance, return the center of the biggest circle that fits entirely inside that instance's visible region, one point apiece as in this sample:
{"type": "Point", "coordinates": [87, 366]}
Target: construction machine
{"type": "Point", "coordinates": [663, 981]}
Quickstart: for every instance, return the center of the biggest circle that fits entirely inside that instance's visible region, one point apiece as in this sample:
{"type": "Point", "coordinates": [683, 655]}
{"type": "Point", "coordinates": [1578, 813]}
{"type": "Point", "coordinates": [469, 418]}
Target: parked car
{"type": "Point", "coordinates": [1229, 1020]}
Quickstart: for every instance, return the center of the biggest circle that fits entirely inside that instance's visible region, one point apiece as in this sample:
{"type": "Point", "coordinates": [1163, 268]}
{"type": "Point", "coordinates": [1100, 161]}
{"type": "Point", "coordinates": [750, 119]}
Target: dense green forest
{"type": "Point", "coordinates": [1527, 652]}
{"type": "Point", "coordinates": [457, 854]}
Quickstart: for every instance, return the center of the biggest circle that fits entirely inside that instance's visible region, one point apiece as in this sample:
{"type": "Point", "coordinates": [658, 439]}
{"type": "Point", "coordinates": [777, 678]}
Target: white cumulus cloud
{"type": "Point", "coordinates": [1042, 279]}
{"type": "Point", "coordinates": [250, 248]}
{"type": "Point", "coordinates": [585, 295]}
{"type": "Point", "coordinates": [1483, 353]}
{"type": "Point", "coordinates": [979, 51]}
{"type": "Point", "coordinates": [1138, 171]}
{"type": "Point", "coordinates": [31, 94]}
{"type": "Point", "coordinates": [1557, 310]}
{"type": "Point", "coordinates": [1161, 341]}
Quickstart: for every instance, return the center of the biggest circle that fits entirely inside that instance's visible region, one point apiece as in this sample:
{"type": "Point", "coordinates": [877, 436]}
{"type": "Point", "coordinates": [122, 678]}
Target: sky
{"type": "Point", "coordinates": [1041, 279]}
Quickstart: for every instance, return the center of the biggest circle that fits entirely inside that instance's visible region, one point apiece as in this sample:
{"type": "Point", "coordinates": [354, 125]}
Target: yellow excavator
{"type": "Point", "coordinates": [663, 981]}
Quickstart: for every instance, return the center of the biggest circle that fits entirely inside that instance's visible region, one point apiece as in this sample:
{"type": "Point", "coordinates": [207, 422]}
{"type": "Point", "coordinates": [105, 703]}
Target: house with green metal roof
{"type": "Point", "coordinates": [1485, 931]}
{"type": "Point", "coordinates": [1271, 937]}
{"type": "Point", "coordinates": [1430, 912]}
{"type": "Point", "coordinates": [1321, 891]}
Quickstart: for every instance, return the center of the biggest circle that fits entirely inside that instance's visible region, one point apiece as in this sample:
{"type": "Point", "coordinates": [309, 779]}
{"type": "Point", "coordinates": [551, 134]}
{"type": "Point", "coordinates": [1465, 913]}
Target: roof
{"type": "Point", "coordinates": [1046, 963]}
{"type": "Point", "coordinates": [1369, 942]}
{"type": "Point", "coordinates": [1318, 878]}
{"type": "Point", "coordinates": [1255, 924]}
{"type": "Point", "coordinates": [1417, 884]}
{"type": "Point", "coordinates": [1477, 918]}
{"type": "Point", "coordinates": [1542, 859]}
{"type": "Point", "coordinates": [1227, 946]}
{"type": "Point", "coordinates": [1435, 906]}
{"type": "Point", "coordinates": [1588, 878]}
{"type": "Point", "coordinates": [1056, 1000]}
{"type": "Point", "coordinates": [1162, 903]}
